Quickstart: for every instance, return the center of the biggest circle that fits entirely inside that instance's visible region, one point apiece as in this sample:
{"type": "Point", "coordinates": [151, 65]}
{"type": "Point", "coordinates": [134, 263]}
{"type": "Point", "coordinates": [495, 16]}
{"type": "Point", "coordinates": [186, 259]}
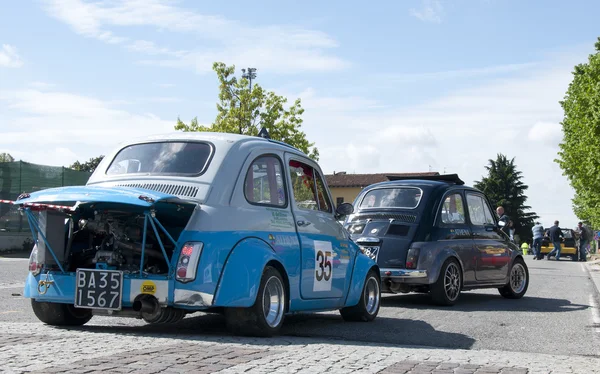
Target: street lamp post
{"type": "Point", "coordinates": [250, 74]}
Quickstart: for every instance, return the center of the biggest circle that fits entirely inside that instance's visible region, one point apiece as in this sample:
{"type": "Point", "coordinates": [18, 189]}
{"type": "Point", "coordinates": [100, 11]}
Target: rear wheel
{"type": "Point", "coordinates": [368, 306]}
{"type": "Point", "coordinates": [60, 314]}
{"type": "Point", "coordinates": [266, 316]}
{"type": "Point", "coordinates": [518, 281]}
{"type": "Point", "coordinates": [446, 289]}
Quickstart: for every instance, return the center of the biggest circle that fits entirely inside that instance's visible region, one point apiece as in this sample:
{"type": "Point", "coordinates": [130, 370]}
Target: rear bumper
{"type": "Point", "coordinates": [400, 274]}
{"type": "Point", "coordinates": [61, 289]}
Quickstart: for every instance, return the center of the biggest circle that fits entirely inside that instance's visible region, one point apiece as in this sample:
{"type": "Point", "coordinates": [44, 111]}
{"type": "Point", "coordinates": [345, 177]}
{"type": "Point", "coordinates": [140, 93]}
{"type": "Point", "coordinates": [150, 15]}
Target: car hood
{"type": "Point", "coordinates": [101, 197]}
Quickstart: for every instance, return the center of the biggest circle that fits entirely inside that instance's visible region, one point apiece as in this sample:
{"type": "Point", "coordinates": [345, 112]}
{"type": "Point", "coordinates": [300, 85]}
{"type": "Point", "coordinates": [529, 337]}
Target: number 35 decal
{"type": "Point", "coordinates": [323, 267]}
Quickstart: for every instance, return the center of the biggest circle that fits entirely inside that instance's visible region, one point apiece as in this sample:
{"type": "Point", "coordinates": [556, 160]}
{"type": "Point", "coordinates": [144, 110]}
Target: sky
{"type": "Point", "coordinates": [387, 87]}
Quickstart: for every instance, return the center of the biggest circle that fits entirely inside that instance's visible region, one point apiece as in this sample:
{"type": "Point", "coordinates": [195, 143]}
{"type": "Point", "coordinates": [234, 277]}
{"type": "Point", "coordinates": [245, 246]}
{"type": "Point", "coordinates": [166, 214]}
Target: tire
{"type": "Point", "coordinates": [518, 281]}
{"type": "Point", "coordinates": [266, 316]}
{"type": "Point", "coordinates": [446, 290]}
{"type": "Point", "coordinates": [370, 300]}
{"type": "Point", "coordinates": [60, 314]}
{"type": "Point", "coordinates": [573, 257]}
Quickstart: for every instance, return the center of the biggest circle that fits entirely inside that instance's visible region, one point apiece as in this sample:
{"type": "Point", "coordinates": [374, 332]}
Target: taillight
{"type": "Point", "coordinates": [412, 258]}
{"type": "Point", "coordinates": [36, 261]}
{"type": "Point", "coordinates": [188, 262]}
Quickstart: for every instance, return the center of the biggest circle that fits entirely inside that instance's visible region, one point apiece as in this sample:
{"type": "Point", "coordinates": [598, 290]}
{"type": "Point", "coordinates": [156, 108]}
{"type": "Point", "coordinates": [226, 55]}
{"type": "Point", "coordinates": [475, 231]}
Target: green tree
{"type": "Point", "coordinates": [6, 157]}
{"type": "Point", "coordinates": [579, 155]}
{"type": "Point", "coordinates": [244, 111]}
{"type": "Point", "coordinates": [503, 186]}
{"type": "Point", "coordinates": [88, 166]}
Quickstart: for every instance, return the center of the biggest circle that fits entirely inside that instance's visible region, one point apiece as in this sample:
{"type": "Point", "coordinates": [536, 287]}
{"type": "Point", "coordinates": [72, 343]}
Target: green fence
{"type": "Point", "coordinates": [18, 177]}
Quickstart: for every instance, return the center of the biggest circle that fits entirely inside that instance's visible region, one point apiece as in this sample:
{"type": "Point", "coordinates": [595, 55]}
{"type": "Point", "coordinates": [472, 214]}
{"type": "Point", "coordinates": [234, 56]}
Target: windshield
{"type": "Point", "coordinates": [187, 158]}
{"type": "Point", "coordinates": [398, 197]}
{"type": "Point", "coordinates": [567, 234]}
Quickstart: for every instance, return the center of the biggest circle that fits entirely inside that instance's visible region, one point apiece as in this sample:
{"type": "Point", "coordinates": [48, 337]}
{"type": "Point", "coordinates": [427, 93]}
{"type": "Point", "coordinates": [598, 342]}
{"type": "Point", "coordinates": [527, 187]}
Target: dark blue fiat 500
{"type": "Point", "coordinates": [436, 235]}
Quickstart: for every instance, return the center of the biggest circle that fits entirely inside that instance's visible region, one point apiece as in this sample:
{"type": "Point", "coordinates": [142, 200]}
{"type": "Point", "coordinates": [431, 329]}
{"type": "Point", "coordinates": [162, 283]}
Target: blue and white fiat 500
{"type": "Point", "coordinates": [188, 222]}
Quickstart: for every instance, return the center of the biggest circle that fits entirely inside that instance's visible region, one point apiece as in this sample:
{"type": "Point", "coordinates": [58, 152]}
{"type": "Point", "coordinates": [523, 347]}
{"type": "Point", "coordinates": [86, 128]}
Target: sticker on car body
{"type": "Point", "coordinates": [323, 266]}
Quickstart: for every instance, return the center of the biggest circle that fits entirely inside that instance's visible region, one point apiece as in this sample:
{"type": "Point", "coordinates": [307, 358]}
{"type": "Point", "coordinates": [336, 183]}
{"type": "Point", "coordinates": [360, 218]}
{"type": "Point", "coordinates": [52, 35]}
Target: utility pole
{"type": "Point", "coordinates": [251, 74]}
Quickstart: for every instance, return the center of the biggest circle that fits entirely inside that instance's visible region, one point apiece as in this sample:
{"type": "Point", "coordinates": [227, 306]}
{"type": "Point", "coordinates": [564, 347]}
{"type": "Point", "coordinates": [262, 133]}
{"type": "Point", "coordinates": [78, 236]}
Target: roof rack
{"type": "Point", "coordinates": [448, 178]}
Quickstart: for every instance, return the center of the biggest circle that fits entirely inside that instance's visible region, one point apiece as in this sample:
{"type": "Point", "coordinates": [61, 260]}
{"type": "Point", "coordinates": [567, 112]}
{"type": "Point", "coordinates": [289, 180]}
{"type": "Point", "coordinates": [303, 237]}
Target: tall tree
{"type": "Point", "coordinates": [6, 157]}
{"type": "Point", "coordinates": [88, 166]}
{"type": "Point", "coordinates": [242, 110]}
{"type": "Point", "coordinates": [579, 155]}
{"type": "Point", "coordinates": [503, 186]}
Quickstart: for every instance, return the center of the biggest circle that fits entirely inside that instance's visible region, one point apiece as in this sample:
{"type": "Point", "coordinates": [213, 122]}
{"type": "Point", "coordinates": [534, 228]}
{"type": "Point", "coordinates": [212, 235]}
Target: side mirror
{"type": "Point", "coordinates": [344, 209]}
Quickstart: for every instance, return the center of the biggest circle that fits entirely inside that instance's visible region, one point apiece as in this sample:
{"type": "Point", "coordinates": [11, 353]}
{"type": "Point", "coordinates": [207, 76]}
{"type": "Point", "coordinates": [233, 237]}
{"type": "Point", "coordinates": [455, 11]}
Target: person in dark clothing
{"type": "Point", "coordinates": [555, 234]}
{"type": "Point", "coordinates": [503, 220]}
{"type": "Point", "coordinates": [584, 235]}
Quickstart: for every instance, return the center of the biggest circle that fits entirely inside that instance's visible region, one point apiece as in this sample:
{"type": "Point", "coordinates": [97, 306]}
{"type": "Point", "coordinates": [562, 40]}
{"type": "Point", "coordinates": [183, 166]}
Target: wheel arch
{"type": "Point", "coordinates": [242, 272]}
{"type": "Point", "coordinates": [439, 262]}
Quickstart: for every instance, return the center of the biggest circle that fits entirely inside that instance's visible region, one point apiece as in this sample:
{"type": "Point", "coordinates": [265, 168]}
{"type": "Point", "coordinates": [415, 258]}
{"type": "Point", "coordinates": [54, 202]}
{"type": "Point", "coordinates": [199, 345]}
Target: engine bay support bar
{"type": "Point", "coordinates": [35, 228]}
{"type": "Point", "coordinates": [143, 244]}
{"type": "Point", "coordinates": [160, 243]}
{"type": "Point", "coordinates": [164, 230]}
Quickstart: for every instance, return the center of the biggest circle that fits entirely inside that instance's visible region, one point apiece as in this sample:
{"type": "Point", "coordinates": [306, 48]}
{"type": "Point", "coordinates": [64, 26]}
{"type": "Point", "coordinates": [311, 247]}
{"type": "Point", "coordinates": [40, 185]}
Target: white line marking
{"type": "Point", "coordinates": [7, 259]}
{"type": "Point", "coordinates": [11, 285]}
{"type": "Point", "coordinates": [583, 268]}
{"type": "Point", "coordinates": [595, 316]}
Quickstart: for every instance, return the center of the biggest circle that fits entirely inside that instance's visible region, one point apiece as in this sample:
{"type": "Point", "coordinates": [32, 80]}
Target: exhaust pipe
{"type": "Point", "coordinates": [147, 305]}
{"type": "Point", "coordinates": [151, 311]}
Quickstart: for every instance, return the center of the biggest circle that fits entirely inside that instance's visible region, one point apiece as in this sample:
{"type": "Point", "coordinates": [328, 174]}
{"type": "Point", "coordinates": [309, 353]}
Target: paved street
{"type": "Point", "coordinates": [555, 328]}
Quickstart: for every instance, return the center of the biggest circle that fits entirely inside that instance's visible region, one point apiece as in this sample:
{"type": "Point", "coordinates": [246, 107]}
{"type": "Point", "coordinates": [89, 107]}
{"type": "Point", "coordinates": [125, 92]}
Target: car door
{"type": "Point", "coordinates": [454, 232]}
{"type": "Point", "coordinates": [493, 253]}
{"type": "Point", "coordinates": [325, 250]}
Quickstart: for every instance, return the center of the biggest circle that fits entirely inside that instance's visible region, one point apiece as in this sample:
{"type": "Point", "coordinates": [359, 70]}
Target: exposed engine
{"type": "Point", "coordinates": [114, 241]}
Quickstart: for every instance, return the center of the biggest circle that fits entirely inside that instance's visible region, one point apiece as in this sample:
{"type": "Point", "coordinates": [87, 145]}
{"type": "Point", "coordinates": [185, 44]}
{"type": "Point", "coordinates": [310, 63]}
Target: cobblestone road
{"type": "Point", "coordinates": [89, 350]}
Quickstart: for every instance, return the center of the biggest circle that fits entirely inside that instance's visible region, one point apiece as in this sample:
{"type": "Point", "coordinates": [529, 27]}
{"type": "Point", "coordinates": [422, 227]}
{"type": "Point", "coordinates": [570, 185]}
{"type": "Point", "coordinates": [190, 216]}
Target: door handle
{"type": "Point", "coordinates": [302, 223]}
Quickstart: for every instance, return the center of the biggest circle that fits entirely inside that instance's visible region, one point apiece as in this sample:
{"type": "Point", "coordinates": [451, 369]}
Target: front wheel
{"type": "Point", "coordinates": [518, 281]}
{"type": "Point", "coordinates": [60, 314]}
{"type": "Point", "coordinates": [446, 289]}
{"type": "Point", "coordinates": [368, 306]}
{"type": "Point", "coordinates": [265, 317]}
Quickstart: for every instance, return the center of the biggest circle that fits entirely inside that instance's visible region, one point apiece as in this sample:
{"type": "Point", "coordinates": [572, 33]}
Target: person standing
{"type": "Point", "coordinates": [556, 236]}
{"type": "Point", "coordinates": [538, 234]}
{"type": "Point", "coordinates": [585, 236]}
{"type": "Point", "coordinates": [503, 220]}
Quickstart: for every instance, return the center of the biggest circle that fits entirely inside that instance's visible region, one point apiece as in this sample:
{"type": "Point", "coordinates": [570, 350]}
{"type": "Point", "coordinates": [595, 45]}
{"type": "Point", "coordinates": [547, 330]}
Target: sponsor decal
{"type": "Point", "coordinates": [148, 287]}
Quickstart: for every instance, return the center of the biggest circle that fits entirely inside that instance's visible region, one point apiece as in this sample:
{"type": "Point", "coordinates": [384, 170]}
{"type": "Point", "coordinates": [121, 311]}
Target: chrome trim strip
{"type": "Point", "coordinates": [367, 240]}
{"type": "Point", "coordinates": [403, 273]}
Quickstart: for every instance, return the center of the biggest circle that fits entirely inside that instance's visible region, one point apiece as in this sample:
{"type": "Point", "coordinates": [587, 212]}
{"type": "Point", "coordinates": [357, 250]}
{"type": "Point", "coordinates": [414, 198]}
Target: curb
{"type": "Point", "coordinates": [594, 278]}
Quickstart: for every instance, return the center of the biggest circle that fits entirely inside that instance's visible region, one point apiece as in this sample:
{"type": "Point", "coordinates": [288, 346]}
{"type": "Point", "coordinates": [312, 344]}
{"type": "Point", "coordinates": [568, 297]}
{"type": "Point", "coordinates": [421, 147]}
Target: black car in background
{"type": "Point", "coordinates": [436, 235]}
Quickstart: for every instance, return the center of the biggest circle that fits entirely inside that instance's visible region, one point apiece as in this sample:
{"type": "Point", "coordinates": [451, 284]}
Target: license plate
{"type": "Point", "coordinates": [99, 289]}
{"type": "Point", "coordinates": [372, 252]}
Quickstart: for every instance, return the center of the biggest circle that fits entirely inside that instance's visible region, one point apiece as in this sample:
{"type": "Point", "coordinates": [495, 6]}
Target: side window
{"type": "Point", "coordinates": [453, 211]}
{"type": "Point", "coordinates": [479, 212]}
{"type": "Point", "coordinates": [324, 202]}
{"type": "Point", "coordinates": [303, 185]}
{"type": "Point", "coordinates": [264, 182]}
{"type": "Point", "coordinates": [489, 218]}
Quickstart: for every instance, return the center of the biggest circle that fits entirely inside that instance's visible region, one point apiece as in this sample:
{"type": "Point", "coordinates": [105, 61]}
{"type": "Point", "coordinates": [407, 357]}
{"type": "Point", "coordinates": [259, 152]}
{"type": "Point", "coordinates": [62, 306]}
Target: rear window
{"type": "Point", "coordinates": [180, 158]}
{"type": "Point", "coordinates": [397, 197]}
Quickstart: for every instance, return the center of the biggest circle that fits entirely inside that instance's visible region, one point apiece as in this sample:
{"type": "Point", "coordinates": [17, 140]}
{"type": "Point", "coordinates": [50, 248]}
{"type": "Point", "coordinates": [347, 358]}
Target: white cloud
{"type": "Point", "coordinates": [273, 47]}
{"type": "Point", "coordinates": [9, 58]}
{"type": "Point", "coordinates": [61, 127]}
{"type": "Point", "coordinates": [431, 11]}
{"type": "Point", "coordinates": [41, 85]}
{"type": "Point", "coordinates": [547, 133]}
{"type": "Point", "coordinates": [461, 73]}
